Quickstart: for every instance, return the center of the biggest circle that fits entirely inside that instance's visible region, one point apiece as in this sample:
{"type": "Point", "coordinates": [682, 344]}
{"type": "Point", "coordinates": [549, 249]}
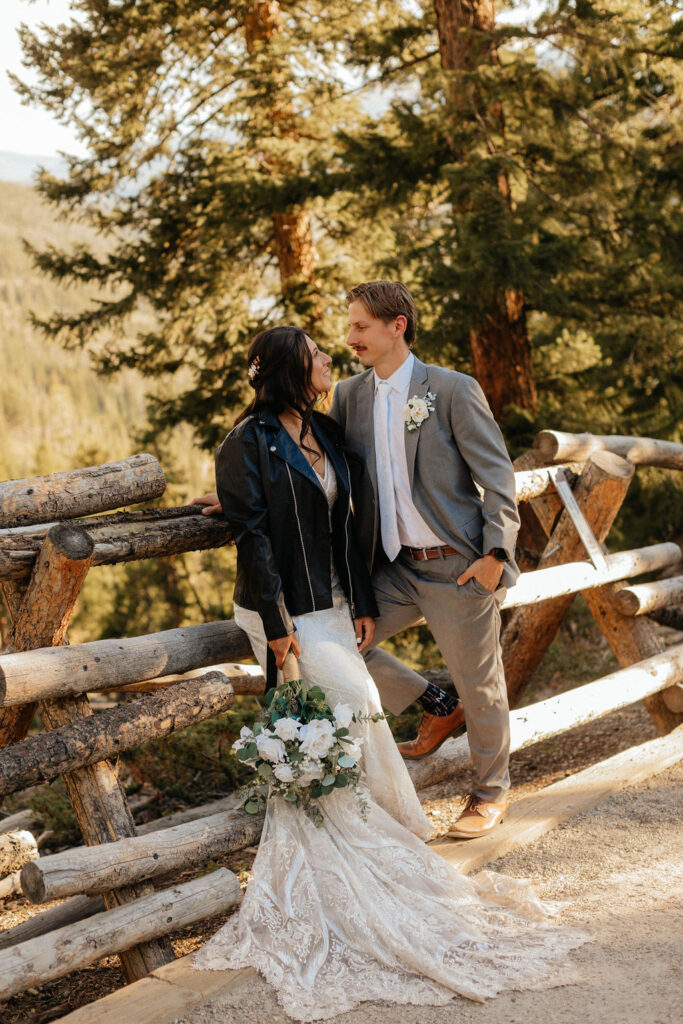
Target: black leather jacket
{"type": "Point", "coordinates": [280, 521]}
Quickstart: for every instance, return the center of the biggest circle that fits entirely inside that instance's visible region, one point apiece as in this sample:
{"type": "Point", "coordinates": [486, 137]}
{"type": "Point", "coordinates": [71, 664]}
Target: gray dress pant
{"type": "Point", "coordinates": [465, 623]}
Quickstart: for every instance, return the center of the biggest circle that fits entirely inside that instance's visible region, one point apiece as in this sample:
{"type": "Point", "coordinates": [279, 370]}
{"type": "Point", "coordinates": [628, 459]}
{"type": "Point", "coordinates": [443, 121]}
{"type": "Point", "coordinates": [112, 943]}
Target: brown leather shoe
{"type": "Point", "coordinates": [478, 818]}
{"type": "Point", "coordinates": [432, 731]}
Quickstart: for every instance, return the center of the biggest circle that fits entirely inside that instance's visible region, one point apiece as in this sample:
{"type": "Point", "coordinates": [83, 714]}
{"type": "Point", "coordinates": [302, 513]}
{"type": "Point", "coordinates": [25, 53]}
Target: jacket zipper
{"type": "Point", "coordinates": [346, 538]}
{"type": "Point", "coordinates": [301, 538]}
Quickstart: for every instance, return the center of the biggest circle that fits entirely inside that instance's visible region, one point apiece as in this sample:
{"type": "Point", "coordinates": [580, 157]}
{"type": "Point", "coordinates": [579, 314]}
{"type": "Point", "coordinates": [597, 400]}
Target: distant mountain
{"type": "Point", "coordinates": [22, 168]}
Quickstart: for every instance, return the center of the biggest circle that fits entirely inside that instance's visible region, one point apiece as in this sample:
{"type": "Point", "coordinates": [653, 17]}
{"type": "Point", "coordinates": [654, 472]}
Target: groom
{"type": "Point", "coordinates": [439, 523]}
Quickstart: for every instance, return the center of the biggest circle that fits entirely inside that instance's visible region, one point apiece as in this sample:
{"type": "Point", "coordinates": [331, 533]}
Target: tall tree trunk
{"type": "Point", "coordinates": [500, 346]}
{"type": "Point", "coordinates": [293, 234]}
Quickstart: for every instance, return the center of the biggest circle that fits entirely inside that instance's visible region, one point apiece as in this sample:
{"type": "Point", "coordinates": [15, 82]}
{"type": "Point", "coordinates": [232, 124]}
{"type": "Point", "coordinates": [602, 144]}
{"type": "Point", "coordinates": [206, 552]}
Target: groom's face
{"type": "Point", "coordinates": [372, 340]}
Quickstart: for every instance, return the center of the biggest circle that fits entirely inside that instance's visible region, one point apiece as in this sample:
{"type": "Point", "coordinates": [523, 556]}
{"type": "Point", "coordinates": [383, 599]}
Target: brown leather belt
{"type": "Point", "coordinates": [423, 554]}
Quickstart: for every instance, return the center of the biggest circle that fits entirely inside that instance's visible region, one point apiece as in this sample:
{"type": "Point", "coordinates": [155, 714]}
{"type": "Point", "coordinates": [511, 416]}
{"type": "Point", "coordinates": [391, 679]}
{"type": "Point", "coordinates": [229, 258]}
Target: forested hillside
{"type": "Point", "coordinates": [56, 413]}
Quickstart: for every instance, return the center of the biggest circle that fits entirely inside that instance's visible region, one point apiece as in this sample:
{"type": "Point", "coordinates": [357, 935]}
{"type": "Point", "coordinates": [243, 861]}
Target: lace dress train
{"type": "Point", "coordinates": [363, 909]}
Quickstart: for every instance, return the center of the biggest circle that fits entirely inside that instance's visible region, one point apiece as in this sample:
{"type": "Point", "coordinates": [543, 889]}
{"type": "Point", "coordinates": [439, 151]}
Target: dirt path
{"type": "Point", "coordinates": [621, 868]}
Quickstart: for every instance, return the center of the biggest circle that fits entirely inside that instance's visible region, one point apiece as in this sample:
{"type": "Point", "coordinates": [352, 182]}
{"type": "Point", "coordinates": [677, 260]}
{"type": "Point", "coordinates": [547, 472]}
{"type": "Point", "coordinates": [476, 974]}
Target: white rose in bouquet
{"type": "Point", "coordinates": [286, 729]}
{"type": "Point", "coordinates": [270, 748]}
{"type": "Point", "coordinates": [343, 715]}
{"type": "Point", "coordinates": [246, 737]}
{"type": "Point", "coordinates": [283, 772]}
{"type": "Point", "coordinates": [317, 737]}
{"type": "Point", "coordinates": [311, 771]}
{"type": "Point", "coordinates": [353, 749]}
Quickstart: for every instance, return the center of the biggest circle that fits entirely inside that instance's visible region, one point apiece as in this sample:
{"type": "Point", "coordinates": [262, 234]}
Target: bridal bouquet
{"type": "Point", "coordinates": [302, 748]}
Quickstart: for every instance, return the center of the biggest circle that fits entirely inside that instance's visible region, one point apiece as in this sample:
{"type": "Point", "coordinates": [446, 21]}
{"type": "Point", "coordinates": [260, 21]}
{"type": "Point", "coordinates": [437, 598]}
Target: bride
{"type": "Point", "coordinates": [359, 908]}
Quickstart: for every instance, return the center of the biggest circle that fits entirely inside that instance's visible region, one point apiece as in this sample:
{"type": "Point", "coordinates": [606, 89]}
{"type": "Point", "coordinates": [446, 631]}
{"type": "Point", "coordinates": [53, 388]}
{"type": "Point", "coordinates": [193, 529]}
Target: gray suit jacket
{"type": "Point", "coordinates": [457, 447]}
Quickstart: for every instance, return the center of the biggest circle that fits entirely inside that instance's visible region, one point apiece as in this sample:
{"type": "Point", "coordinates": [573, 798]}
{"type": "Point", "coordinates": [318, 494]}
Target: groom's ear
{"type": "Point", "coordinates": [401, 323]}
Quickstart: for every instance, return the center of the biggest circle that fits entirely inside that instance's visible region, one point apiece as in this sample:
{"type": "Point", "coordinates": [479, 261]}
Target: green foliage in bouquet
{"type": "Point", "coordinates": [302, 749]}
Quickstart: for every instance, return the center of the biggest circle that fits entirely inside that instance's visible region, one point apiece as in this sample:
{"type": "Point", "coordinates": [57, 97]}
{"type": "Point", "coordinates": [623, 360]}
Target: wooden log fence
{"type": "Point", "coordinates": [649, 597]}
{"type": "Point", "coordinates": [97, 869]}
{"type": "Point", "coordinates": [555, 446]}
{"type": "Point", "coordinates": [97, 737]}
{"type": "Point", "coordinates": [43, 562]}
{"type": "Point", "coordinates": [81, 492]}
{"type": "Point", "coordinates": [77, 945]}
{"type": "Point", "coordinates": [128, 662]}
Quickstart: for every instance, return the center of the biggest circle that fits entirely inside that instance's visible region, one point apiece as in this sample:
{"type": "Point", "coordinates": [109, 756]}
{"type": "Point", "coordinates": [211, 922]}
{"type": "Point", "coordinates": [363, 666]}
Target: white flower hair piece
{"type": "Point", "coordinates": [254, 367]}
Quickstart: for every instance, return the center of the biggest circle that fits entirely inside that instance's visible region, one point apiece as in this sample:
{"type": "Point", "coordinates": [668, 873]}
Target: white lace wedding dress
{"type": "Point", "coordinates": [363, 909]}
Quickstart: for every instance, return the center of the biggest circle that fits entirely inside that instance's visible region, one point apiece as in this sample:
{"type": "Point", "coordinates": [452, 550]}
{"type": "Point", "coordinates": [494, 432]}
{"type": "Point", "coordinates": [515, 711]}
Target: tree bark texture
{"type": "Point", "coordinates": [599, 491]}
{"type": "Point", "coordinates": [125, 542]}
{"type": "Point", "coordinates": [647, 597]}
{"type": "Point", "coordinates": [16, 848]}
{"type": "Point", "coordinates": [77, 945]}
{"type": "Point", "coordinates": [499, 345]}
{"type": "Point", "coordinates": [72, 745]}
{"type": "Point", "coordinates": [81, 492]}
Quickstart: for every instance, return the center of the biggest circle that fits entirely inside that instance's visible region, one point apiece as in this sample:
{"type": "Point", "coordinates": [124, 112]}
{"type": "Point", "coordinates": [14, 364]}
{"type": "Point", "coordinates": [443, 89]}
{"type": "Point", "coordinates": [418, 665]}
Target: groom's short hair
{"type": "Point", "coordinates": [385, 300]}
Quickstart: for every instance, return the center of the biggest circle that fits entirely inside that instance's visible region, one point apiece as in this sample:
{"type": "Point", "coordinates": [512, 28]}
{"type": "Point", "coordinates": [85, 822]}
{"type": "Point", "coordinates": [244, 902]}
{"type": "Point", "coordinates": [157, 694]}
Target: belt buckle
{"type": "Point", "coordinates": [425, 556]}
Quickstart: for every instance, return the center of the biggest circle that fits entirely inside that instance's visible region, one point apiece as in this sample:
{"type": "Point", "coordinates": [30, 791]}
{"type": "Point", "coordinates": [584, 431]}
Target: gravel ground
{"type": "Point", "coordinates": [620, 868]}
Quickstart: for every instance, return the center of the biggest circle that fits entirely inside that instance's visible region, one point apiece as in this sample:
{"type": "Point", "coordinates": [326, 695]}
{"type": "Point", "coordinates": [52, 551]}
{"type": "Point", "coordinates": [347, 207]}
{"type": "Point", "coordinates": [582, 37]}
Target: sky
{"type": "Point", "coordinates": [28, 129]}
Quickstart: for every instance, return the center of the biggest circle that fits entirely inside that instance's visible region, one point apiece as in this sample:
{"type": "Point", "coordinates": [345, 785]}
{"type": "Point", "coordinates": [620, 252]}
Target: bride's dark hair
{"type": "Point", "coordinates": [280, 368]}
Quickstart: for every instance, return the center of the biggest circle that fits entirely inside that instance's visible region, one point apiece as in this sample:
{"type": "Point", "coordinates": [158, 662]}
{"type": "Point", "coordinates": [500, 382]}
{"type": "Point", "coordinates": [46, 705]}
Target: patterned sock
{"type": "Point", "coordinates": [436, 701]}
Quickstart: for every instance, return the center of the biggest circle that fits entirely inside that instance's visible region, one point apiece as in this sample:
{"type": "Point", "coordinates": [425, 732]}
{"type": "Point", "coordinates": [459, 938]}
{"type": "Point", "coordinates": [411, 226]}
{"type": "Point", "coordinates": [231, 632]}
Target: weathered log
{"type": "Point", "coordinates": [96, 737]}
{"type": "Point", "coordinates": [10, 885]}
{"type": "Point", "coordinates": [558, 581]}
{"type": "Point", "coordinates": [95, 869]}
{"type": "Point", "coordinates": [27, 819]}
{"type": "Point", "coordinates": [94, 791]}
{"type": "Point", "coordinates": [551, 717]}
{"type": "Point", "coordinates": [600, 491]}
{"type": "Point", "coordinates": [647, 597]}
{"type": "Point", "coordinates": [16, 848]}
{"type": "Point", "coordinates": [249, 682]}
{"type": "Point", "coordinates": [535, 482]}
{"type": "Point", "coordinates": [556, 446]}
{"type": "Point", "coordinates": [130, 542]}
{"type": "Point", "coordinates": [75, 909]}
{"type": "Point", "coordinates": [538, 515]}
{"type": "Point", "coordinates": [110, 664]}
{"type": "Point", "coordinates": [77, 945]}
{"type": "Point", "coordinates": [17, 537]}
{"type": "Point", "coordinates": [631, 640]}
{"type": "Point", "coordinates": [81, 491]}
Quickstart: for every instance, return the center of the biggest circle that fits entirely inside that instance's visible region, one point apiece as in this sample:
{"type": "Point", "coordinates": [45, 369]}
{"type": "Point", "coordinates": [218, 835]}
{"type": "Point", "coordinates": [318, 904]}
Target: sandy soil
{"type": "Point", "coordinates": [621, 868]}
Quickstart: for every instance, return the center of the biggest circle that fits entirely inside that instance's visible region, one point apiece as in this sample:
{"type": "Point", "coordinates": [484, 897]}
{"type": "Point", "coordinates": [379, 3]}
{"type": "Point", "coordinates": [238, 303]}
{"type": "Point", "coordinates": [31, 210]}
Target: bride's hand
{"type": "Point", "coordinates": [365, 628]}
{"type": "Point", "coordinates": [212, 505]}
{"type": "Point", "coordinates": [282, 645]}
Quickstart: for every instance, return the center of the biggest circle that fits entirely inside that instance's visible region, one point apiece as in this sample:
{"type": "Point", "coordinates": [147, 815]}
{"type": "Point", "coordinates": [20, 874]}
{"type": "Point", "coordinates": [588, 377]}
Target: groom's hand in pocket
{"type": "Point", "coordinates": [282, 645]}
{"type": "Point", "coordinates": [365, 629]}
{"type": "Point", "coordinates": [486, 570]}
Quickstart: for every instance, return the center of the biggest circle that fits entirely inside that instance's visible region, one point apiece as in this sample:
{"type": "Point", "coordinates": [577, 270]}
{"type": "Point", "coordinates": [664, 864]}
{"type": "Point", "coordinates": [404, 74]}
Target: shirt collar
{"type": "Point", "coordinates": [400, 379]}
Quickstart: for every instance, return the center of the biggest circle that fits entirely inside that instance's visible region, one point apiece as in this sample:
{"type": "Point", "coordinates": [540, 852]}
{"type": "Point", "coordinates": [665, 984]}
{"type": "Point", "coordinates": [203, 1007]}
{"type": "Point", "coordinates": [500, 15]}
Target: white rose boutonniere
{"type": "Point", "coordinates": [417, 410]}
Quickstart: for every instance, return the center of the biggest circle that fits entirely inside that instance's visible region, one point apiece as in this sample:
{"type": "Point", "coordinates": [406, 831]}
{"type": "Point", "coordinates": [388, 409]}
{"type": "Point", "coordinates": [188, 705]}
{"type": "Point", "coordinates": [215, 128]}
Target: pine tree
{"type": "Point", "coordinates": [197, 118]}
{"type": "Point", "coordinates": [535, 172]}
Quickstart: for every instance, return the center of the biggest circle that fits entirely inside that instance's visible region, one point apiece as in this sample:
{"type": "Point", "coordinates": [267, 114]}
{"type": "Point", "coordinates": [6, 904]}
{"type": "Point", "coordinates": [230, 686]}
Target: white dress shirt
{"type": "Point", "coordinates": [412, 529]}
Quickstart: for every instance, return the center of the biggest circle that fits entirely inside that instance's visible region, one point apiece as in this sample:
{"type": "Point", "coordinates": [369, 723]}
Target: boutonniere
{"type": "Point", "coordinates": [417, 410]}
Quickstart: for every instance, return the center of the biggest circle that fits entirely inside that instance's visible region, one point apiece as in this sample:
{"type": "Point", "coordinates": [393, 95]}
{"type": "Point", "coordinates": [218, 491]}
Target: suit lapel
{"type": "Point", "coordinates": [419, 385]}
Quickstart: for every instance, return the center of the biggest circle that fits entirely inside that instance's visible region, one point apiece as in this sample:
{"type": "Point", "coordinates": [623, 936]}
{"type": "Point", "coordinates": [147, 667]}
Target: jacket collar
{"type": "Point", "coordinates": [280, 443]}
